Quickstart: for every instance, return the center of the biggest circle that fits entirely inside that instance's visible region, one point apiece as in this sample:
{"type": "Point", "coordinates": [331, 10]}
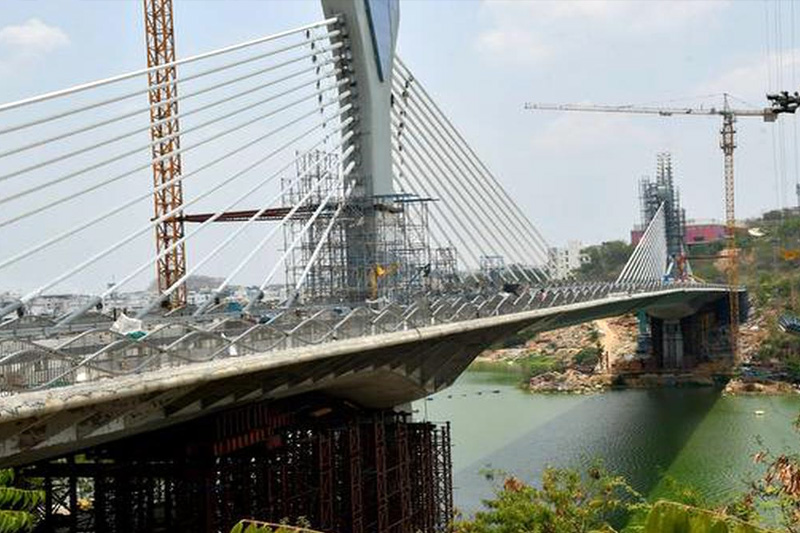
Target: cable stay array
{"type": "Point", "coordinates": [648, 262]}
{"type": "Point", "coordinates": [265, 135]}
{"type": "Point", "coordinates": [74, 162]}
{"type": "Point", "coordinates": [474, 212]}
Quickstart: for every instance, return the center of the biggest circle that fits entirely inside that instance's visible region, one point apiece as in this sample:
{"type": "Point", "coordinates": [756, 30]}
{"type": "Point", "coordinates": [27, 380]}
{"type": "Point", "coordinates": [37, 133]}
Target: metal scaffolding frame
{"type": "Point", "coordinates": [343, 469]}
{"type": "Point", "coordinates": [652, 193]}
{"type": "Point", "coordinates": [492, 268]}
{"type": "Point", "coordinates": [444, 270]}
{"type": "Point", "coordinates": [317, 175]}
{"type": "Point", "coordinates": [402, 248]}
{"type": "Point", "coordinates": [378, 247]}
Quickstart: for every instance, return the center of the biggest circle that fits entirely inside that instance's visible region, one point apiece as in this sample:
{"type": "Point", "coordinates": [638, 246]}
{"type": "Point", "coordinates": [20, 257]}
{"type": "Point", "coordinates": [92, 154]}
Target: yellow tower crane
{"type": "Point", "coordinates": [728, 144]}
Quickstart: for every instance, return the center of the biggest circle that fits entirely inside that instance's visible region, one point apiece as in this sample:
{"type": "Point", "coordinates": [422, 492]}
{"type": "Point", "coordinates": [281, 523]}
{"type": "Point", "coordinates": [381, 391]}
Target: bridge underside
{"type": "Point", "coordinates": [312, 458]}
{"type": "Point", "coordinates": [381, 371]}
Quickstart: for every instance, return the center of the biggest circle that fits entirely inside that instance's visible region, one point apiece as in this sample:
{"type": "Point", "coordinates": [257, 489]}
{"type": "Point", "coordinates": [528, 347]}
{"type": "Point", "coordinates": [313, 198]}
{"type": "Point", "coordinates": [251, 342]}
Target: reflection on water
{"type": "Point", "coordinates": [695, 435]}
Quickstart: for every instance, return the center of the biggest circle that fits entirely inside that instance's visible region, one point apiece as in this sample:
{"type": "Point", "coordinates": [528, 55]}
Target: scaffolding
{"type": "Point", "coordinates": [402, 261]}
{"type": "Point", "coordinates": [444, 273]}
{"type": "Point", "coordinates": [652, 193]}
{"type": "Point", "coordinates": [338, 467]}
{"type": "Point", "coordinates": [316, 177]}
{"type": "Point", "coordinates": [492, 267]}
{"type": "Point", "coordinates": [378, 250]}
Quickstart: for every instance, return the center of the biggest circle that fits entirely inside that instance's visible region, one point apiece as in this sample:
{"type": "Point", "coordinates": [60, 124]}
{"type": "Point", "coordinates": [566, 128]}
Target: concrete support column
{"type": "Point", "coordinates": [371, 34]}
{"type": "Point", "coordinates": [672, 339]}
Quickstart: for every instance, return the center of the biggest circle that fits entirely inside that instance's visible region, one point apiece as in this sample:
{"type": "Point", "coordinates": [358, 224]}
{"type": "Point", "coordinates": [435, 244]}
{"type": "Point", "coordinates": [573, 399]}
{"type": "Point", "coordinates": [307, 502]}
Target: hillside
{"type": "Point", "coordinates": [769, 265]}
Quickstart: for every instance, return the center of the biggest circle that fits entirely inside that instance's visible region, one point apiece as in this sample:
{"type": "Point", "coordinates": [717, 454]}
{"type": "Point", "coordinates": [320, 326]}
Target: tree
{"type": "Point", "coordinates": [567, 502]}
{"type": "Point", "coordinates": [672, 517]}
{"type": "Point", "coordinates": [17, 505]}
{"type": "Point", "coordinates": [606, 261]}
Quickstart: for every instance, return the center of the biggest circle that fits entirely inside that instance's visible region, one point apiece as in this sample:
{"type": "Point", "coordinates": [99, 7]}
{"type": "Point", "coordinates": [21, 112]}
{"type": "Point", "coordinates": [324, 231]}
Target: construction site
{"type": "Point", "coordinates": [311, 458]}
{"type": "Point", "coordinates": [378, 249]}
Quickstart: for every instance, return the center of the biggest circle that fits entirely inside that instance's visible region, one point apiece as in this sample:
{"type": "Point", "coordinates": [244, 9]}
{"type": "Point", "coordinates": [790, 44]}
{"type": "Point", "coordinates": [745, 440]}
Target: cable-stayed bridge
{"type": "Point", "coordinates": [313, 160]}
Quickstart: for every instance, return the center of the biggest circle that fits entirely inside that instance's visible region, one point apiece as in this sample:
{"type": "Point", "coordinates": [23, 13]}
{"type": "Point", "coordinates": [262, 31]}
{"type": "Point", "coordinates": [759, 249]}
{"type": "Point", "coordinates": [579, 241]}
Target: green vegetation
{"type": "Point", "coordinates": [592, 501]}
{"type": "Point", "coordinates": [17, 505]}
{"type": "Point", "coordinates": [568, 501]}
{"type": "Point", "coordinates": [588, 356]}
{"type": "Point", "coordinates": [769, 261]}
{"type": "Point", "coordinates": [254, 526]}
{"type": "Point", "coordinates": [533, 364]}
{"type": "Point", "coordinates": [595, 501]}
{"type": "Point", "coordinates": [606, 261]}
{"type": "Point", "coordinates": [537, 364]}
{"type": "Point", "coordinates": [504, 367]}
{"type": "Point", "coordinates": [673, 517]}
{"type": "Point", "coordinates": [769, 268]}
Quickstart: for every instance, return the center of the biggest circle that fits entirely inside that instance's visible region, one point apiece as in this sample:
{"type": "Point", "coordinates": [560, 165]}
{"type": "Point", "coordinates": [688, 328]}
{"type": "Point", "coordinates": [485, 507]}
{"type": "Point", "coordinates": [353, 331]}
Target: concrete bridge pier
{"type": "Point", "coordinates": [683, 337]}
{"type": "Point", "coordinates": [672, 343]}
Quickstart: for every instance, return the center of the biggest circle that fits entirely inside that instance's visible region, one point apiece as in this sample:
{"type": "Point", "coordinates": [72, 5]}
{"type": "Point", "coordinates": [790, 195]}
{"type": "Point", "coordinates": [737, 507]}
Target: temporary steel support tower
{"type": "Point", "coordinates": [163, 95]}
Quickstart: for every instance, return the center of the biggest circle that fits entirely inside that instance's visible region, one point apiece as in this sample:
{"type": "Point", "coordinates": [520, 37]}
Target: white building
{"type": "Point", "coordinates": [562, 261]}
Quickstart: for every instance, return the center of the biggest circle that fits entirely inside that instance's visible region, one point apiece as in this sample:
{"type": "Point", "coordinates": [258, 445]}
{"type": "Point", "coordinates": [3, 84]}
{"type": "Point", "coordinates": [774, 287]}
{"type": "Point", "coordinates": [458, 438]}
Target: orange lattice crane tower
{"type": "Point", "coordinates": [164, 130]}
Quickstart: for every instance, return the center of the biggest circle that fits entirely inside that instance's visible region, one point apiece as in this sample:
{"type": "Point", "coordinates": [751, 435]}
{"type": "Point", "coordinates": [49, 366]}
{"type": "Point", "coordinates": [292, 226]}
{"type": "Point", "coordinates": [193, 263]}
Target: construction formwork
{"type": "Point", "coordinates": [703, 337]}
{"type": "Point", "coordinates": [342, 470]}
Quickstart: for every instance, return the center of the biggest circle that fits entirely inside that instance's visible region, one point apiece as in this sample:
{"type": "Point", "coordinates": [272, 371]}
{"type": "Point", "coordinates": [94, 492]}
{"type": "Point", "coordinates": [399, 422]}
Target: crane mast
{"type": "Point", "coordinates": [728, 145]}
{"type": "Point", "coordinates": [163, 96]}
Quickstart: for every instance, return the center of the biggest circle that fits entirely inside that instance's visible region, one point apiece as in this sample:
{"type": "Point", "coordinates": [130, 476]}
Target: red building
{"type": "Point", "coordinates": [697, 231]}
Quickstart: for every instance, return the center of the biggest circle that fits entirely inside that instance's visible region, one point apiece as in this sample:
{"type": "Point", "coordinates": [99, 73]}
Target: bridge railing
{"type": "Point", "coordinates": [97, 353]}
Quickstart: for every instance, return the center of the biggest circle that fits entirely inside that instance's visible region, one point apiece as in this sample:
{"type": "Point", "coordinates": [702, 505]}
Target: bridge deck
{"type": "Point", "coordinates": [381, 370]}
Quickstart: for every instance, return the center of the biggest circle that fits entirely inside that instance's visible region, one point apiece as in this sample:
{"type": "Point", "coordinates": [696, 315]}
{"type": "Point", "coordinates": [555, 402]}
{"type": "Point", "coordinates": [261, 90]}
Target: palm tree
{"type": "Point", "coordinates": [17, 505]}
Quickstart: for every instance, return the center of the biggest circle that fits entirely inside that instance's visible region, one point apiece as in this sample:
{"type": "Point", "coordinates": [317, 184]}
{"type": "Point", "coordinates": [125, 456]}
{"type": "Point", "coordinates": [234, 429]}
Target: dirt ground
{"type": "Point", "coordinates": [617, 337]}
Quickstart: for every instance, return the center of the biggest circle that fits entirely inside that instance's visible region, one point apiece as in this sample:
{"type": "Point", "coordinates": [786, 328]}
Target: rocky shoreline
{"type": "Point", "coordinates": [598, 356]}
{"type": "Point", "coordinates": [738, 386]}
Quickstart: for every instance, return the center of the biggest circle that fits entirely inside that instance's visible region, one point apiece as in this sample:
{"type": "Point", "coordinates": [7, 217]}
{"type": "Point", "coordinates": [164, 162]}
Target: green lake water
{"type": "Point", "coordinates": [696, 436]}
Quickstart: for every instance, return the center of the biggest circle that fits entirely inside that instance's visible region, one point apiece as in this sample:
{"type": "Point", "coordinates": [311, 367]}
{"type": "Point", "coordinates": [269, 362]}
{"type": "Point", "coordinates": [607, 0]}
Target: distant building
{"type": "Point", "coordinates": [700, 231]}
{"type": "Point", "coordinates": [696, 232]}
{"type": "Point", "coordinates": [199, 297]}
{"type": "Point", "coordinates": [131, 302]}
{"type": "Point", "coordinates": [56, 304]}
{"type": "Point", "coordinates": [562, 261]}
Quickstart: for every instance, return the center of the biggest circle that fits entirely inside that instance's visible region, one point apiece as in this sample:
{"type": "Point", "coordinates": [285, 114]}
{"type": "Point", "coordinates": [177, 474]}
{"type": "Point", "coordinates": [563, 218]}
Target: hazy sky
{"type": "Point", "coordinates": [574, 174]}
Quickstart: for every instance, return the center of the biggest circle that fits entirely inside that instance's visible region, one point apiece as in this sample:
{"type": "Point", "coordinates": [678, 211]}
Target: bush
{"type": "Point", "coordinates": [672, 517]}
{"type": "Point", "coordinates": [568, 501]}
{"type": "Point", "coordinates": [588, 356]}
{"type": "Point", "coordinates": [538, 364]}
{"type": "Point", "coordinates": [254, 526]}
{"type": "Point", "coordinates": [780, 345]}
